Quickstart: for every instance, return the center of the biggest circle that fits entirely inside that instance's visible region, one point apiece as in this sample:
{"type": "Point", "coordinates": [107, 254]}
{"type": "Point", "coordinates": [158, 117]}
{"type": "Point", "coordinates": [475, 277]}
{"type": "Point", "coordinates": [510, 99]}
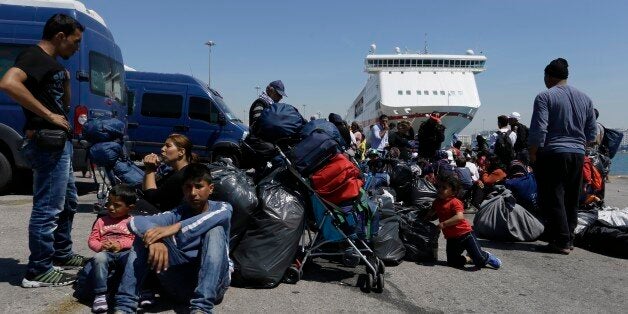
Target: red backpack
{"type": "Point", "coordinates": [591, 175]}
{"type": "Point", "coordinates": [338, 181]}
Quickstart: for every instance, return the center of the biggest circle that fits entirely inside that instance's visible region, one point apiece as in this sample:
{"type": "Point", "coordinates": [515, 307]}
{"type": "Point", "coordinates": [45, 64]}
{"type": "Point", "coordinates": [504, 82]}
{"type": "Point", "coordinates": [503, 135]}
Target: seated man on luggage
{"type": "Point", "coordinates": [464, 175]}
{"type": "Point", "coordinates": [187, 247]}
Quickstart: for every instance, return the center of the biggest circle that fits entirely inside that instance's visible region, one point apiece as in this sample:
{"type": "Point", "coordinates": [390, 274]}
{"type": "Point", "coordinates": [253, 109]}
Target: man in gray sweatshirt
{"type": "Point", "coordinates": [563, 122]}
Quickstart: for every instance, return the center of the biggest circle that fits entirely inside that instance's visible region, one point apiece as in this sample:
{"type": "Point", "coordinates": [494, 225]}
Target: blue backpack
{"type": "Point", "coordinates": [277, 122]}
{"type": "Point", "coordinates": [313, 152]}
{"type": "Point", "coordinates": [324, 126]}
{"type": "Point", "coordinates": [105, 154]}
{"type": "Point", "coordinates": [524, 189]}
{"type": "Point", "coordinates": [127, 172]}
{"type": "Point", "coordinates": [103, 130]}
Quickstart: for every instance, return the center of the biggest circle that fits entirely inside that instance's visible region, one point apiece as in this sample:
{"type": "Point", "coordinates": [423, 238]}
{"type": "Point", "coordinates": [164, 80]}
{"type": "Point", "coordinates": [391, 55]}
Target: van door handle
{"type": "Point", "coordinates": [133, 124]}
{"type": "Point", "coordinates": [181, 128]}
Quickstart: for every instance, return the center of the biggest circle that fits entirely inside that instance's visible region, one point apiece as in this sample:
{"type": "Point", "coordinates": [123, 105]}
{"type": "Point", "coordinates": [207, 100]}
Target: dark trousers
{"type": "Point", "coordinates": [469, 243]}
{"type": "Point", "coordinates": [559, 180]}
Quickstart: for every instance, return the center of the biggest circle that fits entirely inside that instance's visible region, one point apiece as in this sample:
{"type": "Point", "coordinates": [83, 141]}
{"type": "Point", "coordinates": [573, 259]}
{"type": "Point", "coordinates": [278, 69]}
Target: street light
{"type": "Point", "coordinates": [209, 67]}
{"type": "Point", "coordinates": [257, 88]}
{"type": "Point", "coordinates": [304, 105]}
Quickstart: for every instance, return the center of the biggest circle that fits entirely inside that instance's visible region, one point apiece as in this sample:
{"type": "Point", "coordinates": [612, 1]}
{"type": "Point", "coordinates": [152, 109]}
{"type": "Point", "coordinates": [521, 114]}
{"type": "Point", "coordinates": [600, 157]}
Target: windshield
{"type": "Point", "coordinates": [107, 77]}
{"type": "Point", "coordinates": [227, 112]}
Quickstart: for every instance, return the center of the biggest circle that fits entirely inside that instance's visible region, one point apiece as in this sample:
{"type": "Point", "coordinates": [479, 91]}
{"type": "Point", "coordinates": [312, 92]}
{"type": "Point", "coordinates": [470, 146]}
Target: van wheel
{"type": "Point", "coordinates": [6, 173]}
{"type": "Point", "coordinates": [226, 154]}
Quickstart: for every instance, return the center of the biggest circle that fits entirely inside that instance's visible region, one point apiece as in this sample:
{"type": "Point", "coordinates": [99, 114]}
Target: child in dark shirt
{"type": "Point", "coordinates": [456, 228]}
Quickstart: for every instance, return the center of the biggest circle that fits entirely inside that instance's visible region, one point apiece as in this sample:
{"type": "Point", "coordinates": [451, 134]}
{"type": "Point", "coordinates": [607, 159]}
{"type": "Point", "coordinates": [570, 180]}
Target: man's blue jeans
{"type": "Point", "coordinates": [202, 280]}
{"type": "Point", "coordinates": [55, 201]}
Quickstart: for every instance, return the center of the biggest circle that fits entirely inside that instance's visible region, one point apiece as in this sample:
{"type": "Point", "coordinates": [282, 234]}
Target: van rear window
{"type": "Point", "coordinates": [106, 77]}
{"type": "Point", "coordinates": [161, 105]}
{"type": "Point", "coordinates": [8, 53]}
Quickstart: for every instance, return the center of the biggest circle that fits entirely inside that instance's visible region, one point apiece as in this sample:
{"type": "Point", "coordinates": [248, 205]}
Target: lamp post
{"type": "Point", "coordinates": [483, 124]}
{"type": "Point", "coordinates": [209, 67]}
{"type": "Point", "coordinates": [304, 105]}
{"type": "Point", "coordinates": [257, 88]}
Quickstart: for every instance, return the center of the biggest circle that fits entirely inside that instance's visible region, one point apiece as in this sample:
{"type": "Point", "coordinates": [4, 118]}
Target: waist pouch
{"type": "Point", "coordinates": [50, 139]}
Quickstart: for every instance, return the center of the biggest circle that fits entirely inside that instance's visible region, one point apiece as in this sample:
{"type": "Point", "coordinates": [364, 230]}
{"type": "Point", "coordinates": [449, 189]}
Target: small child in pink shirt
{"type": "Point", "coordinates": [111, 239]}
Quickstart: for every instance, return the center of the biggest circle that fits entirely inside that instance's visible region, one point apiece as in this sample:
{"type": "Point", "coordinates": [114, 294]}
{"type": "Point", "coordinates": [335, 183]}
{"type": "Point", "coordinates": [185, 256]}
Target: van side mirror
{"type": "Point", "coordinates": [221, 119]}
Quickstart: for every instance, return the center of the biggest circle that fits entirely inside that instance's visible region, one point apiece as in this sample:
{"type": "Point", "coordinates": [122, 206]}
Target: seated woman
{"type": "Point", "coordinates": [491, 174]}
{"type": "Point", "coordinates": [164, 193]}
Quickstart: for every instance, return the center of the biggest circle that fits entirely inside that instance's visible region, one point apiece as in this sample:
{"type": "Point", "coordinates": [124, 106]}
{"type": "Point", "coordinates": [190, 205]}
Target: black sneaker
{"type": "Point", "coordinates": [51, 278]}
{"type": "Point", "coordinates": [75, 261]}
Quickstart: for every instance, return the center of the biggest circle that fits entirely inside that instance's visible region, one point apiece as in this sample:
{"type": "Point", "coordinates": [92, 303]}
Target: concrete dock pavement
{"type": "Point", "coordinates": [529, 281]}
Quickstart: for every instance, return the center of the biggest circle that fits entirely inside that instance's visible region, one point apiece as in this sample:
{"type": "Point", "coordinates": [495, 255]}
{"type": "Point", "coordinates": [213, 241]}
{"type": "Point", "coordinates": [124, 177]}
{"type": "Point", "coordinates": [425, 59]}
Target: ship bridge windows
{"type": "Point", "coordinates": [408, 92]}
{"type": "Point", "coordinates": [399, 92]}
{"type": "Point", "coordinates": [418, 92]}
{"type": "Point", "coordinates": [442, 93]}
{"type": "Point", "coordinates": [434, 92]}
{"type": "Point", "coordinates": [440, 63]}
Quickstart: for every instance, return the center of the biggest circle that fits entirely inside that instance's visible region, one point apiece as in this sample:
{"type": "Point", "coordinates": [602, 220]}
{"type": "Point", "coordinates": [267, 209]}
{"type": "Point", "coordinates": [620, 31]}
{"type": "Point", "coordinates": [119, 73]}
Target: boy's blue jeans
{"type": "Point", "coordinates": [101, 264]}
{"type": "Point", "coordinates": [467, 242]}
{"type": "Point", "coordinates": [55, 200]}
{"type": "Point", "coordinates": [203, 280]}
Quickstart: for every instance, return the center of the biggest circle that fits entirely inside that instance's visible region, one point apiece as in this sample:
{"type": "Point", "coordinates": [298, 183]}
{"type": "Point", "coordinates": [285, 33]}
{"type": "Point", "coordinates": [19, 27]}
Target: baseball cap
{"type": "Point", "coordinates": [515, 115]}
{"type": "Point", "coordinates": [278, 87]}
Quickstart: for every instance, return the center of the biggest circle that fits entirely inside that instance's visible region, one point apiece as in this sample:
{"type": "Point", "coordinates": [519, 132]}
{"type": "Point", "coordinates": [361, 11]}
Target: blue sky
{"type": "Point", "coordinates": [317, 47]}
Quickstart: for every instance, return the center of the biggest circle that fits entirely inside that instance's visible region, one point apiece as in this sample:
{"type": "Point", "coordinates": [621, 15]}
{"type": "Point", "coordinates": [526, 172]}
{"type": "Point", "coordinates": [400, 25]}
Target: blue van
{"type": "Point", "coordinates": [161, 104]}
{"type": "Point", "coordinates": [96, 70]}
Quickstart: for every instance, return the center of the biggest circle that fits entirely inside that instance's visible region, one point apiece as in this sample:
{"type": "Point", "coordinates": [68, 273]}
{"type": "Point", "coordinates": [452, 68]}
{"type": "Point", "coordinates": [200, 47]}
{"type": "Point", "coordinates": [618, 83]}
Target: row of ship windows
{"type": "Point", "coordinates": [426, 63]}
{"type": "Point", "coordinates": [434, 92]}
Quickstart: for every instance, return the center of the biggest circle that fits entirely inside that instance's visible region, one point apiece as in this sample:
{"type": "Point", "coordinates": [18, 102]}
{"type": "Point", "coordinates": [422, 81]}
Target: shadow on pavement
{"type": "Point", "coordinates": [510, 246]}
{"type": "Point", "coordinates": [12, 271]}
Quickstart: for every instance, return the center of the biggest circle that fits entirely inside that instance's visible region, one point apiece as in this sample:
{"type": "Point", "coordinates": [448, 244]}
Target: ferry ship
{"type": "Point", "coordinates": [411, 86]}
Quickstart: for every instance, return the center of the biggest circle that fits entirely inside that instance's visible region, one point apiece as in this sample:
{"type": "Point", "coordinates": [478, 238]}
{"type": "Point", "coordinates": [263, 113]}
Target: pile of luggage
{"type": "Point", "coordinates": [105, 137]}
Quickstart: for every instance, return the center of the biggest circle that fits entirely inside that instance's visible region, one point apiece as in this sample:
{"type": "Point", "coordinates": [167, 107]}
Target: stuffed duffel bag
{"type": "Point", "coordinates": [313, 152]}
{"type": "Point", "coordinates": [325, 126]}
{"type": "Point", "coordinates": [277, 122]}
{"type": "Point", "coordinates": [338, 181]}
{"type": "Point", "coordinates": [103, 130]}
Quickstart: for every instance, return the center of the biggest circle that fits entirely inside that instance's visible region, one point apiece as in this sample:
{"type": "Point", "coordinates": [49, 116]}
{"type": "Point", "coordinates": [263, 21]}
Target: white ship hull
{"type": "Point", "coordinates": [410, 87]}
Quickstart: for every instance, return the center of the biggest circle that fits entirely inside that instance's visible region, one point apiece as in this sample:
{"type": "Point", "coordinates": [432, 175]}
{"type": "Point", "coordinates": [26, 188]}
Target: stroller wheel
{"type": "Point", "coordinates": [292, 275]}
{"type": "Point", "coordinates": [379, 283]}
{"type": "Point", "coordinates": [369, 282]}
{"type": "Point", "coordinates": [381, 268]}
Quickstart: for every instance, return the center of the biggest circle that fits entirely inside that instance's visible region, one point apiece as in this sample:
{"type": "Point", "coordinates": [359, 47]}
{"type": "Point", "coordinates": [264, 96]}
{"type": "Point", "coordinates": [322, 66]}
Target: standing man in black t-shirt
{"type": "Point", "coordinates": [41, 85]}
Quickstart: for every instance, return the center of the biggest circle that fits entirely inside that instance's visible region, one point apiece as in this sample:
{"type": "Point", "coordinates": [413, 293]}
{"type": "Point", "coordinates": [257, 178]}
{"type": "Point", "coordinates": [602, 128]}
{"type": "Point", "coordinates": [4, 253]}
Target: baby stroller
{"type": "Point", "coordinates": [351, 225]}
{"type": "Point", "coordinates": [104, 138]}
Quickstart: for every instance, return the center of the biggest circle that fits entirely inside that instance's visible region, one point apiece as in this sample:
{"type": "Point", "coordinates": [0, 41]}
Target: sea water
{"type": "Point", "coordinates": [619, 165]}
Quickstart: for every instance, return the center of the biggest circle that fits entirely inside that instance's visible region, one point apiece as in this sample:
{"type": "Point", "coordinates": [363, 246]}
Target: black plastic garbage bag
{"type": "Point", "coordinates": [401, 180]}
{"type": "Point", "coordinates": [420, 237]}
{"type": "Point", "coordinates": [604, 240]}
{"type": "Point", "coordinates": [500, 218]}
{"type": "Point", "coordinates": [422, 191]}
{"type": "Point", "coordinates": [271, 242]}
{"type": "Point", "coordinates": [387, 245]}
{"type": "Point", "coordinates": [233, 186]}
